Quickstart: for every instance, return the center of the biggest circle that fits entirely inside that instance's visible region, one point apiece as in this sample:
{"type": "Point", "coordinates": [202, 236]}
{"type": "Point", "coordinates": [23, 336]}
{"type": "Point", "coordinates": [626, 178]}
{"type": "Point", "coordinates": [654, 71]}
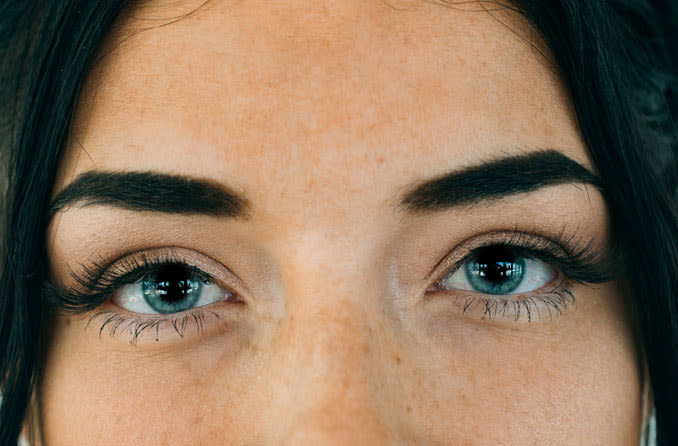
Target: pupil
{"type": "Point", "coordinates": [171, 288]}
{"type": "Point", "coordinates": [495, 270]}
{"type": "Point", "coordinates": [174, 282]}
{"type": "Point", "coordinates": [496, 265]}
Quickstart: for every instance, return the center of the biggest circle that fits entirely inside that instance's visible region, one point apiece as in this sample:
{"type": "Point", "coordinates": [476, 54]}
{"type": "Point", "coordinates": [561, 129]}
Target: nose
{"type": "Point", "coordinates": [333, 397]}
{"type": "Point", "coordinates": [328, 354]}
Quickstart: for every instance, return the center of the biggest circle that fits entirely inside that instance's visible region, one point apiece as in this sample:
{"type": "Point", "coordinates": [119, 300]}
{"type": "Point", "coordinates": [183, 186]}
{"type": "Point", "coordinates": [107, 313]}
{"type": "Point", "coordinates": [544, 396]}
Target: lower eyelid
{"type": "Point", "coordinates": [537, 306]}
{"type": "Point", "coordinates": [140, 329]}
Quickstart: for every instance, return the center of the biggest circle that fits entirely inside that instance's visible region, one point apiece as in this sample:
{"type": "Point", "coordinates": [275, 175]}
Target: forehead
{"type": "Point", "coordinates": [330, 94]}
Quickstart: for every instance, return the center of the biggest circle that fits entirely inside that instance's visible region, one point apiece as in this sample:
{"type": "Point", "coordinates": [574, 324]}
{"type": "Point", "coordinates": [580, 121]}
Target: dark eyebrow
{"type": "Point", "coordinates": [151, 191]}
{"type": "Point", "coordinates": [497, 179]}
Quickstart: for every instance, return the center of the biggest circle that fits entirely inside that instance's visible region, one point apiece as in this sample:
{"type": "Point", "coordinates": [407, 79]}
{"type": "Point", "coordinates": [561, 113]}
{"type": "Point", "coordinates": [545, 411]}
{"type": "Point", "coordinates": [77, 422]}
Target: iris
{"type": "Point", "coordinates": [171, 288]}
{"type": "Point", "coordinates": [495, 270]}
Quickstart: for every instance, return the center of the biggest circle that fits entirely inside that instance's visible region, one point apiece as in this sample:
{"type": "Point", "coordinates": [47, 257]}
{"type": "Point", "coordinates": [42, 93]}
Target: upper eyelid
{"type": "Point", "coordinates": [145, 268]}
{"type": "Point", "coordinates": [90, 288]}
{"type": "Point", "coordinates": [142, 270]}
{"type": "Point", "coordinates": [197, 262]}
{"type": "Point", "coordinates": [507, 238]}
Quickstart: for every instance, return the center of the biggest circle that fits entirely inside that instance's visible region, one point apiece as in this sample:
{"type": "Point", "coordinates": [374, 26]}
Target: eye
{"type": "Point", "coordinates": [499, 270]}
{"type": "Point", "coordinates": [169, 288]}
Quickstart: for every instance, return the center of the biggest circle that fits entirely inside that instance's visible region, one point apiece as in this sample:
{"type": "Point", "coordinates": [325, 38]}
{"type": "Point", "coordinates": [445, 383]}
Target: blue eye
{"type": "Point", "coordinates": [496, 270]}
{"type": "Point", "coordinates": [169, 288]}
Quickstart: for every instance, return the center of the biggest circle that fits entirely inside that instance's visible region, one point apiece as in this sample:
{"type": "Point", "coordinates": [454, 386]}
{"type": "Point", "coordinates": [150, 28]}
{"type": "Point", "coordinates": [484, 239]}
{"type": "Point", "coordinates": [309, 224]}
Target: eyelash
{"type": "Point", "coordinates": [585, 265]}
{"type": "Point", "coordinates": [98, 282]}
{"type": "Point", "coordinates": [137, 325]}
{"type": "Point", "coordinates": [555, 301]}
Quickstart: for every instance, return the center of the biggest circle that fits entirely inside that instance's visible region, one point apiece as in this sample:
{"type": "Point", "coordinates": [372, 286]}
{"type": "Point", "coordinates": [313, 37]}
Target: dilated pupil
{"type": "Point", "coordinates": [495, 270]}
{"type": "Point", "coordinates": [172, 288]}
{"type": "Point", "coordinates": [497, 265]}
{"type": "Point", "coordinates": [174, 282]}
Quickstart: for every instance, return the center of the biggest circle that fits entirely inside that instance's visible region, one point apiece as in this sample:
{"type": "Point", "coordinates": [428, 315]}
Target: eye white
{"type": "Point", "coordinates": [536, 274]}
{"type": "Point", "coordinates": [131, 297]}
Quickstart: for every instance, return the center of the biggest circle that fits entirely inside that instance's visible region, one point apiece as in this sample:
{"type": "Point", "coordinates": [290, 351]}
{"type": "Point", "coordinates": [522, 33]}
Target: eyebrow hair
{"type": "Point", "coordinates": [151, 191]}
{"type": "Point", "coordinates": [497, 179]}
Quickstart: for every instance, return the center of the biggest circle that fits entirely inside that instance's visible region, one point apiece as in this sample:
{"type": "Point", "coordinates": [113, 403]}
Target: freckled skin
{"type": "Point", "coordinates": [321, 112]}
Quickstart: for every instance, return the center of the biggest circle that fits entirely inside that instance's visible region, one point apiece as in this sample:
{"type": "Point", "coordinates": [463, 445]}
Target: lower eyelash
{"type": "Point", "coordinates": [552, 303]}
{"type": "Point", "coordinates": [115, 323]}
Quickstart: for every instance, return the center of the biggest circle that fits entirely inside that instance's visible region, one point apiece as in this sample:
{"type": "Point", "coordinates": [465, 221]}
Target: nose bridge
{"type": "Point", "coordinates": [326, 347]}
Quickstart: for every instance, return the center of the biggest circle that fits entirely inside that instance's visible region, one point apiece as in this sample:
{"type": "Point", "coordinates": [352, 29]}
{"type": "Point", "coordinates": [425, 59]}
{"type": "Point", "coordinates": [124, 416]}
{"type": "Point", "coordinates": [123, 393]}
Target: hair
{"type": "Point", "coordinates": [618, 59]}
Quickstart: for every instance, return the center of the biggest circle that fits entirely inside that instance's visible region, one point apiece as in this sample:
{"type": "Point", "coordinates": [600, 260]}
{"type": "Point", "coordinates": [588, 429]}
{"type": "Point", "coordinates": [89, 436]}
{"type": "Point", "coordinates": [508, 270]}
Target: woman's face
{"type": "Point", "coordinates": [369, 242]}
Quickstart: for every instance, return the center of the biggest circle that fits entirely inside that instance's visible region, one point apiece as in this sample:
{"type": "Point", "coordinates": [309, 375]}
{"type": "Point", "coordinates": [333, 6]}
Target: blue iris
{"type": "Point", "coordinates": [494, 270]}
{"type": "Point", "coordinates": [171, 288]}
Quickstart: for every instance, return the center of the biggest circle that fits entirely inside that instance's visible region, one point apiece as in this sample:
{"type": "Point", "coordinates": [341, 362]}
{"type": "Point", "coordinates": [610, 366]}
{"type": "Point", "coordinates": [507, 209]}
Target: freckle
{"type": "Point", "coordinates": [408, 409]}
{"type": "Point", "coordinates": [197, 419]}
{"type": "Point", "coordinates": [67, 322]}
{"type": "Point", "coordinates": [398, 360]}
{"type": "Point", "coordinates": [254, 350]}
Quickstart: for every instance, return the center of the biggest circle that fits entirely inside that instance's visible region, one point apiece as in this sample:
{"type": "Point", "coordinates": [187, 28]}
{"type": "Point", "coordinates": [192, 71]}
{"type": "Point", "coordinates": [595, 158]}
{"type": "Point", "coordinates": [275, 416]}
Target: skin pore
{"type": "Point", "coordinates": [322, 116]}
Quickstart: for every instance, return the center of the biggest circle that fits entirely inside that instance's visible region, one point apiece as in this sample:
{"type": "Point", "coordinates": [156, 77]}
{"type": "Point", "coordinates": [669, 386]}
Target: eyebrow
{"type": "Point", "coordinates": [497, 179]}
{"type": "Point", "coordinates": [151, 191]}
{"type": "Point", "coordinates": [177, 194]}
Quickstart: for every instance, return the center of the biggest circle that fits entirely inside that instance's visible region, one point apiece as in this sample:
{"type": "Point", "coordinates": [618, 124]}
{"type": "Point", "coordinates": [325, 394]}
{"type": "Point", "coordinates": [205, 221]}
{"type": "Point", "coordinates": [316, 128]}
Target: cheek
{"type": "Point", "coordinates": [94, 394]}
{"type": "Point", "coordinates": [519, 397]}
{"type": "Point", "coordinates": [576, 384]}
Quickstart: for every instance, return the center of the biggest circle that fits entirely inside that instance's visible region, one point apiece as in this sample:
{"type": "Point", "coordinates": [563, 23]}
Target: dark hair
{"type": "Point", "coordinates": [618, 58]}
